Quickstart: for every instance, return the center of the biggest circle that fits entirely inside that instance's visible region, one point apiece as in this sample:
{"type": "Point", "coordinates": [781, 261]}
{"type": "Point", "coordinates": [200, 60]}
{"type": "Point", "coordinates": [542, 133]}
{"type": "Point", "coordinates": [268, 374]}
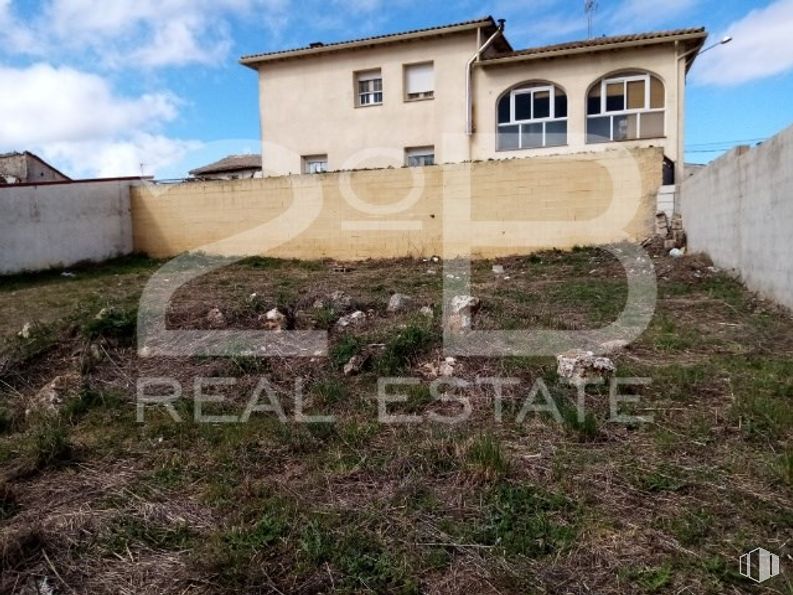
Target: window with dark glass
{"type": "Point", "coordinates": [532, 117]}
{"type": "Point", "coordinates": [625, 107]}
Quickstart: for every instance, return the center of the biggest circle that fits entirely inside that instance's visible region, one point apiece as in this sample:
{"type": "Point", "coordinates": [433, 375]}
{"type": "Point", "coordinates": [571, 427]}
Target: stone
{"type": "Point", "coordinates": [103, 313]}
{"type": "Point", "coordinates": [355, 319]}
{"type": "Point", "coordinates": [275, 320]}
{"type": "Point", "coordinates": [436, 259]}
{"type": "Point", "coordinates": [427, 312]}
{"type": "Point", "coordinates": [355, 365]}
{"type": "Point", "coordinates": [55, 393]}
{"type": "Point", "coordinates": [216, 319]}
{"type": "Point", "coordinates": [661, 225]}
{"type": "Point", "coordinates": [498, 269]}
{"type": "Point", "coordinates": [428, 371]}
{"type": "Point", "coordinates": [338, 300]}
{"type": "Point", "coordinates": [398, 302]}
{"type": "Point", "coordinates": [446, 369]}
{"type": "Point", "coordinates": [27, 331]}
{"type": "Point", "coordinates": [463, 310]}
{"type": "Point", "coordinates": [577, 366]}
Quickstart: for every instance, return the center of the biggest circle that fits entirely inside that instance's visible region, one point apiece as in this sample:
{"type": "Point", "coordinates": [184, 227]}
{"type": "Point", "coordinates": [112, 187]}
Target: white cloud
{"type": "Point", "coordinates": [761, 47]}
{"type": "Point", "coordinates": [42, 103]}
{"type": "Point", "coordinates": [141, 153]}
{"type": "Point", "coordinates": [78, 120]}
{"type": "Point", "coordinates": [136, 33]}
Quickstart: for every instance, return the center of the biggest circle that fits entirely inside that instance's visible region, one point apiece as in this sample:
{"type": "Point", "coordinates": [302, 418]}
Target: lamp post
{"type": "Point", "coordinates": [723, 41]}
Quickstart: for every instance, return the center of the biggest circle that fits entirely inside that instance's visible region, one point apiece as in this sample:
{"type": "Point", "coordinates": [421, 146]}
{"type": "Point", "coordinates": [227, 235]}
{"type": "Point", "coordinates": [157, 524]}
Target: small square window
{"type": "Point", "coordinates": [315, 164]}
{"type": "Point", "coordinates": [419, 156]}
{"type": "Point", "coordinates": [369, 88]}
{"type": "Point", "coordinates": [419, 81]}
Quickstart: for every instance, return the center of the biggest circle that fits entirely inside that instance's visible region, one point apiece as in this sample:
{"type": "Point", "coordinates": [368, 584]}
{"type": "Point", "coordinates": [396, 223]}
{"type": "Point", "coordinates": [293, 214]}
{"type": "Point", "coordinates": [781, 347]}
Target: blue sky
{"type": "Point", "coordinates": [101, 87]}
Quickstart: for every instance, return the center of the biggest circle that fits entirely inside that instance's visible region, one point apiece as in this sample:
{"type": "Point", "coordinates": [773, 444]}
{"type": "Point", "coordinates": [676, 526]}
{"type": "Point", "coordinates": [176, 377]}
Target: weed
{"type": "Point", "coordinates": [486, 456]}
{"type": "Point", "coordinates": [342, 352]}
{"type": "Point", "coordinates": [8, 502]}
{"type": "Point", "coordinates": [129, 531]}
{"type": "Point", "coordinates": [587, 430]}
{"type": "Point", "coordinates": [18, 350]}
{"type": "Point", "coordinates": [691, 528]}
{"type": "Point", "coordinates": [324, 318]}
{"type": "Point", "coordinates": [526, 520]}
{"type": "Point", "coordinates": [331, 391]}
{"type": "Point", "coordinates": [404, 347]}
{"type": "Point", "coordinates": [89, 400]}
{"type": "Point", "coordinates": [113, 323]}
{"type": "Point", "coordinates": [49, 443]}
{"type": "Point", "coordinates": [651, 580]}
{"type": "Point", "coordinates": [784, 468]}
{"type": "Point", "coordinates": [664, 478]}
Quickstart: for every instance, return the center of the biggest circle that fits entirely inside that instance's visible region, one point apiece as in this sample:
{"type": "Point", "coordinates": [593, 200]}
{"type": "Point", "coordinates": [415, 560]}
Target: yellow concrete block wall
{"type": "Point", "coordinates": [483, 209]}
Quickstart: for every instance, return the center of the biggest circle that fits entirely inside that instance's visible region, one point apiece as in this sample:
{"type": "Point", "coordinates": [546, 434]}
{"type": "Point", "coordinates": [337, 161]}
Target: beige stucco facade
{"type": "Point", "coordinates": [308, 98]}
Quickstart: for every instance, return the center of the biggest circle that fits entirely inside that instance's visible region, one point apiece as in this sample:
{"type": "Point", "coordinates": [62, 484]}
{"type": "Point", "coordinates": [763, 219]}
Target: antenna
{"type": "Point", "coordinates": [590, 6]}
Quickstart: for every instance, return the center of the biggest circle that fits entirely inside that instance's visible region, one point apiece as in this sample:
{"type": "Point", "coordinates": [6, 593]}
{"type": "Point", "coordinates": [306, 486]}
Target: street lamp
{"type": "Point", "coordinates": [723, 41]}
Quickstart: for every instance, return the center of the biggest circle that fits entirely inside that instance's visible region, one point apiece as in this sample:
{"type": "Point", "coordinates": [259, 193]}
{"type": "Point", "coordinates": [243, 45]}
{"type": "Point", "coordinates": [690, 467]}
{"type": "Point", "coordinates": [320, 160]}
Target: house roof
{"type": "Point", "coordinates": [230, 164]}
{"type": "Point", "coordinates": [324, 48]}
{"type": "Point", "coordinates": [695, 36]}
{"type": "Point", "coordinates": [37, 158]}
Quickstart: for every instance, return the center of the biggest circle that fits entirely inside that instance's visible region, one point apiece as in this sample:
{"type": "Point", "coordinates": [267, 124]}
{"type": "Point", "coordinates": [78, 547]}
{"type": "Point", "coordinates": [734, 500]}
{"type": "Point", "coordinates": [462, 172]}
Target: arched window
{"type": "Point", "coordinates": [532, 116]}
{"type": "Point", "coordinates": [626, 106]}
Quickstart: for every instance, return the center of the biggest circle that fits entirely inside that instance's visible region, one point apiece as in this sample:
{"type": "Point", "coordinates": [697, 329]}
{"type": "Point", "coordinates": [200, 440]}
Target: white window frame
{"type": "Point", "coordinates": [604, 84]}
{"type": "Point", "coordinates": [551, 89]}
{"type": "Point", "coordinates": [363, 97]}
{"type": "Point", "coordinates": [421, 153]}
{"type": "Point", "coordinates": [315, 164]}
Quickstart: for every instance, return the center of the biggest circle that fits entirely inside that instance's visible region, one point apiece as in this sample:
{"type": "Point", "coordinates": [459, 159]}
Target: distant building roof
{"type": "Point", "coordinates": [228, 164]}
{"type": "Point", "coordinates": [322, 48]}
{"type": "Point", "coordinates": [695, 35]}
{"type": "Point", "coordinates": [30, 155]}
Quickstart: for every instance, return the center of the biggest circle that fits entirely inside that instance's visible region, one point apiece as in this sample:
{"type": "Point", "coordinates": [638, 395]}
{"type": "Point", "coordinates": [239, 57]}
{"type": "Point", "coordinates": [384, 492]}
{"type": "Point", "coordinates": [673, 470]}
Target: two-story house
{"type": "Point", "coordinates": [460, 93]}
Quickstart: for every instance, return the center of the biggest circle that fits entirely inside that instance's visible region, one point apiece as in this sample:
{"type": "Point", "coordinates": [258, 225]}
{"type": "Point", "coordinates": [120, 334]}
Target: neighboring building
{"type": "Point", "coordinates": [460, 92]}
{"type": "Point", "coordinates": [27, 168]}
{"type": "Point", "coordinates": [233, 167]}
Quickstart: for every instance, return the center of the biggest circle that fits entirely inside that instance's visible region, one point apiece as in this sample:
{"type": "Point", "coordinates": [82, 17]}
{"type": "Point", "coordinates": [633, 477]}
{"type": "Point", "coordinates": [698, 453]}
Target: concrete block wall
{"type": "Point", "coordinates": [61, 224]}
{"type": "Point", "coordinates": [739, 210]}
{"type": "Point", "coordinates": [483, 209]}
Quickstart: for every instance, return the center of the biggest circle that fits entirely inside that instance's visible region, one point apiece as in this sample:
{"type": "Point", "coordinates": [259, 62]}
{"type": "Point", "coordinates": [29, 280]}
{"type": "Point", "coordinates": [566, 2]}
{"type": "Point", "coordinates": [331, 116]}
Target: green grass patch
{"type": "Point", "coordinates": [404, 347]}
{"type": "Point", "coordinates": [487, 457]}
{"type": "Point", "coordinates": [528, 521]}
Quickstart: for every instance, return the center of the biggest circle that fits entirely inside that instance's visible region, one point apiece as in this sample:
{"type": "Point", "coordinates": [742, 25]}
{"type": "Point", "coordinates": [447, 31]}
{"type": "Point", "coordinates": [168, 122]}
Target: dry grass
{"type": "Point", "coordinates": [93, 502]}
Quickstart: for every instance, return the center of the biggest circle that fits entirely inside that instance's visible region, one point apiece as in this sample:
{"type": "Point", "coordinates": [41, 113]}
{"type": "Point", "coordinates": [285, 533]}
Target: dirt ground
{"type": "Point", "coordinates": [91, 501]}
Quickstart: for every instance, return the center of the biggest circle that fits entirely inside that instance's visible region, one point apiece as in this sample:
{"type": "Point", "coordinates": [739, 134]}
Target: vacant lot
{"type": "Point", "coordinates": [91, 501]}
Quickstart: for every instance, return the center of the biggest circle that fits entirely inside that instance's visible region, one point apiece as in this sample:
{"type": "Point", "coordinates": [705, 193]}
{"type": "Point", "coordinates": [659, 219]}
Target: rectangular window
{"type": "Point", "coordinates": [419, 81]}
{"type": "Point", "coordinates": [615, 97]}
{"type": "Point", "coordinates": [419, 156]}
{"type": "Point", "coordinates": [315, 164]}
{"type": "Point", "coordinates": [369, 87]}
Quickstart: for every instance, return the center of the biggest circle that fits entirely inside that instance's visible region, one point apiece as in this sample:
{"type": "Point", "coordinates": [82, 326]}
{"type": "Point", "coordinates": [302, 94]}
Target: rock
{"type": "Point", "coordinates": [428, 371]}
{"type": "Point", "coordinates": [338, 300]}
{"type": "Point", "coordinates": [615, 345]}
{"type": "Point", "coordinates": [578, 365]}
{"type": "Point", "coordinates": [355, 365]}
{"type": "Point", "coordinates": [355, 319]}
{"type": "Point", "coordinates": [103, 313]}
{"type": "Point", "coordinates": [275, 320]}
{"type": "Point", "coordinates": [435, 259]}
{"type": "Point", "coordinates": [52, 396]}
{"type": "Point", "coordinates": [498, 269]}
{"type": "Point", "coordinates": [27, 330]}
{"type": "Point", "coordinates": [427, 312]}
{"type": "Point", "coordinates": [661, 225]}
{"type": "Point", "coordinates": [96, 353]}
{"type": "Point", "coordinates": [145, 352]}
{"type": "Point", "coordinates": [446, 369]}
{"type": "Point", "coordinates": [216, 319]}
{"type": "Point", "coordinates": [463, 310]}
{"type": "Point", "coordinates": [398, 302]}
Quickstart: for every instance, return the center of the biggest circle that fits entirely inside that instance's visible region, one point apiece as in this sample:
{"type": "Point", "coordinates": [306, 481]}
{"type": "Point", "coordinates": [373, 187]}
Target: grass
{"type": "Point", "coordinates": [360, 506]}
